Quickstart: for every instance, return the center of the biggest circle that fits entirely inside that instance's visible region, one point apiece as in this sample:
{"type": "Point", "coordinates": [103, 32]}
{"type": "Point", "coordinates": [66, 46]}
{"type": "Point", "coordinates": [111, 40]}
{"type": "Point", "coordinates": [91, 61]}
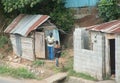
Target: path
{"type": "Point", "coordinates": [51, 79]}
{"type": "Point", "coordinates": [12, 80]}
{"type": "Point", "coordinates": [108, 81]}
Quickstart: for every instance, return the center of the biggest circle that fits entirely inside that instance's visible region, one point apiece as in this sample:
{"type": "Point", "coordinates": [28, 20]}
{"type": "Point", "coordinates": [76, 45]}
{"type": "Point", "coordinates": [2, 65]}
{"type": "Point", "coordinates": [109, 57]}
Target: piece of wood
{"type": "Point", "coordinates": [39, 45]}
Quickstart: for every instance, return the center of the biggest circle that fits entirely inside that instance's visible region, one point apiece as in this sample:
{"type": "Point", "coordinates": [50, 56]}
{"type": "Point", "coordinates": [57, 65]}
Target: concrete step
{"type": "Point", "coordinates": [55, 78]}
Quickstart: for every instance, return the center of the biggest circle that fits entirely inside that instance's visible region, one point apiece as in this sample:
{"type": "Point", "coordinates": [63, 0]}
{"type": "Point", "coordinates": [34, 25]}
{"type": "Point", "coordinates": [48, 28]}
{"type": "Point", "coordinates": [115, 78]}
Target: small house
{"type": "Point", "coordinates": [97, 50]}
{"type": "Point", "coordinates": [27, 35]}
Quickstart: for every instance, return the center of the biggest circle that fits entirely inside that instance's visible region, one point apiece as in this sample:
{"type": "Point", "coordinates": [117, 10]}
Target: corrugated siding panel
{"type": "Point", "coordinates": [108, 27]}
{"type": "Point", "coordinates": [80, 3]}
{"type": "Point", "coordinates": [24, 24]}
{"type": "Point", "coordinates": [39, 45]}
{"type": "Point", "coordinates": [18, 44]}
{"type": "Point", "coordinates": [14, 46]}
{"type": "Point", "coordinates": [27, 48]}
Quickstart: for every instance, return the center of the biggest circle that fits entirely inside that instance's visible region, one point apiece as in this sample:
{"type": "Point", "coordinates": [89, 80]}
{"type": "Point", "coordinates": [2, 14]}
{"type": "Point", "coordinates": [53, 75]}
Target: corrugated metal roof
{"type": "Point", "coordinates": [108, 27]}
{"type": "Point", "coordinates": [80, 3]}
{"type": "Point", "coordinates": [24, 24]}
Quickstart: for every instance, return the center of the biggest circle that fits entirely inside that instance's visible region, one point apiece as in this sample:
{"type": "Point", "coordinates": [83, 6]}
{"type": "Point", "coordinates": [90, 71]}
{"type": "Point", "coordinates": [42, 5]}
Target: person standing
{"type": "Point", "coordinates": [50, 46]}
{"type": "Point", "coordinates": [57, 51]}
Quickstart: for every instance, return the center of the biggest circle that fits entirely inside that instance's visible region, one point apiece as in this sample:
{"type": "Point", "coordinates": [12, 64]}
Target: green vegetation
{"type": "Point", "coordinates": [81, 75]}
{"type": "Point", "coordinates": [18, 73]}
{"type": "Point", "coordinates": [60, 16]}
{"type": "Point", "coordinates": [63, 54]}
{"type": "Point", "coordinates": [3, 40]}
{"type": "Point", "coordinates": [109, 9]}
{"type": "Point", "coordinates": [38, 63]}
{"type": "Point", "coordinates": [10, 5]}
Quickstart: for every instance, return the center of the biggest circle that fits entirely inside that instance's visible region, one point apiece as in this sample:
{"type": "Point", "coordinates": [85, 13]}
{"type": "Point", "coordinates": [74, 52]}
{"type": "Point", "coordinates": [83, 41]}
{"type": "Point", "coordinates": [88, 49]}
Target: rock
{"type": "Point", "coordinates": [33, 71]}
{"type": "Point", "coordinates": [19, 60]}
{"type": "Point", "coordinates": [15, 57]}
{"type": "Point", "coordinates": [42, 71]}
{"type": "Point", "coordinates": [9, 58]}
{"type": "Point", "coordinates": [15, 60]}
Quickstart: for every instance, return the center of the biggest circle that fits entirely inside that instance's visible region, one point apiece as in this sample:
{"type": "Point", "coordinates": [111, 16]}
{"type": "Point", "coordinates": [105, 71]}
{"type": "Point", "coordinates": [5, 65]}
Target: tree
{"type": "Point", "coordinates": [109, 9]}
{"type": "Point", "coordinates": [10, 5]}
{"type": "Point", "coordinates": [61, 16]}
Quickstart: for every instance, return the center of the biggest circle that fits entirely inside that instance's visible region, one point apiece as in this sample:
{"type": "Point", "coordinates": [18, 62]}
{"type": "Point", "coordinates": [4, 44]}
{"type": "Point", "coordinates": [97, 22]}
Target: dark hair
{"type": "Point", "coordinates": [56, 41]}
{"type": "Point", "coordinates": [51, 34]}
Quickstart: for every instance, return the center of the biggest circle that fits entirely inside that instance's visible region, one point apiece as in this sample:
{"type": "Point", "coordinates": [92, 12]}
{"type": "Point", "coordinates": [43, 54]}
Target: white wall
{"type": "Point", "coordinates": [89, 61]}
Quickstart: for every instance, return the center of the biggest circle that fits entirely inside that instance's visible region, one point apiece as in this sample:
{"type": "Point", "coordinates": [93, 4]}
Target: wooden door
{"type": "Point", "coordinates": [39, 45]}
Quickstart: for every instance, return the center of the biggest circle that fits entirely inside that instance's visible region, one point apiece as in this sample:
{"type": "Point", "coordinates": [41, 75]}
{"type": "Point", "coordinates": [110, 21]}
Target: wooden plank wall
{"type": "Point", "coordinates": [39, 45]}
{"type": "Point", "coordinates": [27, 48]}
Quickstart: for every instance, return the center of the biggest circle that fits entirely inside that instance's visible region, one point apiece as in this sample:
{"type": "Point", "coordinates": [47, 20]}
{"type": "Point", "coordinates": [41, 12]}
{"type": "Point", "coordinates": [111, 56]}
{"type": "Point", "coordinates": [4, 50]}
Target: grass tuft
{"type": "Point", "coordinates": [81, 75]}
{"type": "Point", "coordinates": [18, 73]}
{"type": "Point", "coordinates": [38, 63]}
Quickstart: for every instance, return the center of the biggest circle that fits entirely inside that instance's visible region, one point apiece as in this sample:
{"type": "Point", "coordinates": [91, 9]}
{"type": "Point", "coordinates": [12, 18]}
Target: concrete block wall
{"type": "Point", "coordinates": [88, 61]}
{"type": "Point", "coordinates": [117, 57]}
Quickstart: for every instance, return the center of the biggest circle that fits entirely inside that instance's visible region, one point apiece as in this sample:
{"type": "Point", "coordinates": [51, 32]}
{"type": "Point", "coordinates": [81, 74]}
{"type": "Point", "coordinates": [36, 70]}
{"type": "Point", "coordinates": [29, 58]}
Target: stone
{"type": "Point", "coordinates": [18, 60]}
{"type": "Point", "coordinates": [15, 57]}
{"type": "Point", "coordinates": [42, 71]}
{"type": "Point", "coordinates": [9, 58]}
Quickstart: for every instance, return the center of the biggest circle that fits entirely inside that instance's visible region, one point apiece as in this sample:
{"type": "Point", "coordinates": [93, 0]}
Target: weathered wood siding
{"type": "Point", "coordinates": [39, 45]}
{"type": "Point", "coordinates": [13, 42]}
{"type": "Point", "coordinates": [27, 48]}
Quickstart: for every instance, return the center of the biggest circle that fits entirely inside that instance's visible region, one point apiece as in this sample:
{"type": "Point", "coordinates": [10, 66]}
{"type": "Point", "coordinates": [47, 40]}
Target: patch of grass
{"type": "Point", "coordinates": [81, 75]}
{"type": "Point", "coordinates": [38, 63]}
{"type": "Point", "coordinates": [63, 54]}
{"type": "Point", "coordinates": [56, 69]}
{"type": "Point", "coordinates": [69, 65]}
{"type": "Point", "coordinates": [1, 56]}
{"type": "Point", "coordinates": [22, 72]}
{"type": "Point", "coordinates": [18, 73]}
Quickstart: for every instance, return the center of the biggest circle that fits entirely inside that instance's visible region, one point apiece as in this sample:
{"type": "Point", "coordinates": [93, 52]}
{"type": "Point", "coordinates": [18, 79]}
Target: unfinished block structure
{"type": "Point", "coordinates": [97, 50]}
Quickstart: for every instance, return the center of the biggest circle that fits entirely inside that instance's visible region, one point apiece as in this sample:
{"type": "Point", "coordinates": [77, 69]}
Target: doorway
{"type": "Point", "coordinates": [112, 56]}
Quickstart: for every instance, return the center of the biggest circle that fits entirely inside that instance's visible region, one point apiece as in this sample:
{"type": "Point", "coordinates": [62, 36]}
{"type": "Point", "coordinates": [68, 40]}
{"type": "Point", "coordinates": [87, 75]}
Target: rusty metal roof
{"type": "Point", "coordinates": [24, 24]}
{"type": "Point", "coordinates": [108, 27]}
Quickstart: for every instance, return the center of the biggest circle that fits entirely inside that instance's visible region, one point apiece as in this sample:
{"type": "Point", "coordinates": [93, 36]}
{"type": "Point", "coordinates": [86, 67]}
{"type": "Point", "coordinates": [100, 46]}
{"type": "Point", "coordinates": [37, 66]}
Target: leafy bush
{"type": "Point", "coordinates": [3, 41]}
{"type": "Point", "coordinates": [61, 16]}
{"type": "Point", "coordinates": [108, 10]}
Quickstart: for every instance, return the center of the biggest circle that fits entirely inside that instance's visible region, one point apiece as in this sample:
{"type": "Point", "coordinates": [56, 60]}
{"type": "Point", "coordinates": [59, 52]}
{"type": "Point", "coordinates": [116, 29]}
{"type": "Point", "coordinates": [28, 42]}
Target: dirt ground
{"type": "Point", "coordinates": [46, 70]}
